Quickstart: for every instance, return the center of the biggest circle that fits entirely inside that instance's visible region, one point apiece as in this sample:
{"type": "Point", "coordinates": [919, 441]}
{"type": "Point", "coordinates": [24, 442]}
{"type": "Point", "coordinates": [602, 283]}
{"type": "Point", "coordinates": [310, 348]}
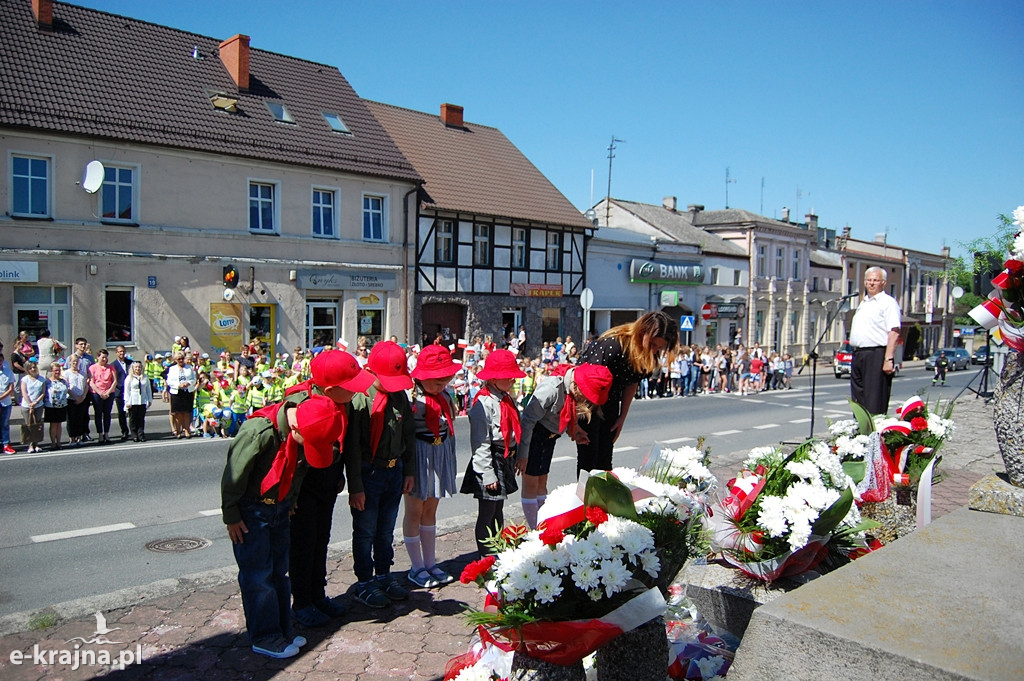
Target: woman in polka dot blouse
{"type": "Point", "coordinates": [630, 351]}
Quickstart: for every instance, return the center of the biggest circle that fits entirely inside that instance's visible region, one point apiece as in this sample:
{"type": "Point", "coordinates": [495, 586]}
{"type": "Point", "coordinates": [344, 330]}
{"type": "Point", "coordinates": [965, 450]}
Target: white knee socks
{"type": "Point", "coordinates": [412, 545]}
{"type": "Point", "coordinates": [428, 540]}
{"type": "Point", "coordinates": [530, 511]}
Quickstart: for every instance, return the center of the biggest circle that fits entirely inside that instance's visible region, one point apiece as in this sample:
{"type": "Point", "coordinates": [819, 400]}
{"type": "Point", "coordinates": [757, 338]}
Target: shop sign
{"type": "Point", "coordinates": [340, 280]}
{"type": "Point", "coordinates": [732, 309]}
{"type": "Point", "coordinates": [17, 272]}
{"type": "Point", "coordinates": [536, 290]}
{"type": "Point", "coordinates": [654, 272]}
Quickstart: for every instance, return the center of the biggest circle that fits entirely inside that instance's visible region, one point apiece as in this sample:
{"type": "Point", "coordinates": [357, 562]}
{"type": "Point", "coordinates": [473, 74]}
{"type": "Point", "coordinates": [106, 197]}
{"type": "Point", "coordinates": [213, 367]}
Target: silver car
{"type": "Point", "coordinates": [958, 359]}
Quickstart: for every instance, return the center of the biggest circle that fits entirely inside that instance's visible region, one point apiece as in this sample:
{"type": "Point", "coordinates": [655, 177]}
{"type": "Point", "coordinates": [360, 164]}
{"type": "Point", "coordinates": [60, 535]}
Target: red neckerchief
{"type": "Point", "coordinates": [283, 469]}
{"type": "Point", "coordinates": [435, 407]}
{"type": "Point", "coordinates": [380, 401]}
{"type": "Point", "coordinates": [567, 417]}
{"type": "Point", "coordinates": [509, 418]}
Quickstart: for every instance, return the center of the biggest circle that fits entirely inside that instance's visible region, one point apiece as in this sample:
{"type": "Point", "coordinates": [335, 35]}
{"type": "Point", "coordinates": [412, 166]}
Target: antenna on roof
{"type": "Point", "coordinates": [195, 52]}
{"type": "Point", "coordinates": [608, 199]}
{"type": "Point", "coordinates": [727, 183]}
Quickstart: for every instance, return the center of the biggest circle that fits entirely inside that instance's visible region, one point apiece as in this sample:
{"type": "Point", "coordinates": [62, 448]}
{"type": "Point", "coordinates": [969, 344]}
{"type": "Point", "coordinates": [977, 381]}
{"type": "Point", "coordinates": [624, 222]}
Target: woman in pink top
{"type": "Point", "coordinates": [103, 382]}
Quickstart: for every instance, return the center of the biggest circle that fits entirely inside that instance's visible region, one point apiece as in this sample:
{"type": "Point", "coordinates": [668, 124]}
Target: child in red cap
{"type": "Point", "coordinates": [379, 453]}
{"type": "Point", "coordinates": [557, 405]}
{"type": "Point", "coordinates": [494, 433]}
{"type": "Point", "coordinates": [261, 479]}
{"type": "Point", "coordinates": [434, 410]}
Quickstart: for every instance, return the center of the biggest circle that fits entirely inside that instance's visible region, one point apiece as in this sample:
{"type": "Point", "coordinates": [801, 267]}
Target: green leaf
{"type": "Point", "coordinates": [834, 514]}
{"type": "Point", "coordinates": [864, 420]}
{"type": "Point", "coordinates": [855, 469]}
{"type": "Point", "coordinates": [605, 491]}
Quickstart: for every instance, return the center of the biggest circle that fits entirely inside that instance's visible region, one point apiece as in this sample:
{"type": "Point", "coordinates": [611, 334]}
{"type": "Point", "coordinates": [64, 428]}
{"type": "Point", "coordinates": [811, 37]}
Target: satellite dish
{"type": "Point", "coordinates": [957, 292]}
{"type": "Point", "coordinates": [92, 180]}
{"type": "Point", "coordinates": [229, 294]}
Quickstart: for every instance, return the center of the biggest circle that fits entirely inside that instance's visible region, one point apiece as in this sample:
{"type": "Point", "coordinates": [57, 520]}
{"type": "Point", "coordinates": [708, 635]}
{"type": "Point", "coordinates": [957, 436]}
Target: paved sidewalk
{"type": "Point", "coordinates": [199, 632]}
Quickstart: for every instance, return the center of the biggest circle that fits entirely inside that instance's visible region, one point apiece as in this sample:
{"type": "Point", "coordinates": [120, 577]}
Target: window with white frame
{"type": "Point", "coordinates": [117, 195]}
{"type": "Point", "coordinates": [120, 315]}
{"type": "Point", "coordinates": [796, 265]}
{"type": "Point", "coordinates": [714, 276]}
{"type": "Point", "coordinates": [519, 248]}
{"type": "Point", "coordinates": [30, 186]}
{"type": "Point", "coordinates": [262, 206]}
{"type": "Point", "coordinates": [325, 212]}
{"type": "Point", "coordinates": [762, 257]}
{"type": "Point", "coordinates": [794, 324]}
{"type": "Point", "coordinates": [481, 244]}
{"type": "Point", "coordinates": [553, 259]}
{"type": "Point", "coordinates": [373, 217]}
{"type": "Point", "coordinates": [780, 264]}
{"type": "Point", "coordinates": [444, 241]}
{"type": "Point", "coordinates": [737, 277]}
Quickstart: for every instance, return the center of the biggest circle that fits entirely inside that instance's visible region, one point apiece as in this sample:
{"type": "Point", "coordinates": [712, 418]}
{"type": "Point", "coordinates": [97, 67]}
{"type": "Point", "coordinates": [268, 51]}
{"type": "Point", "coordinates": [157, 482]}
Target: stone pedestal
{"type": "Point", "coordinates": [1008, 417]}
{"type": "Point", "coordinates": [726, 597]}
{"type": "Point", "coordinates": [995, 494]}
{"type": "Point", "coordinates": [637, 655]}
{"type": "Point", "coordinates": [526, 668]}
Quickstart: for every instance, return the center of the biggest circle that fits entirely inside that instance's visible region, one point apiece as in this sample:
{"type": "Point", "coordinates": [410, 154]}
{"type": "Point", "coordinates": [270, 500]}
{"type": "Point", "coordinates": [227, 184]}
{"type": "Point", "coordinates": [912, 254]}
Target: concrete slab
{"type": "Point", "coordinates": [946, 602]}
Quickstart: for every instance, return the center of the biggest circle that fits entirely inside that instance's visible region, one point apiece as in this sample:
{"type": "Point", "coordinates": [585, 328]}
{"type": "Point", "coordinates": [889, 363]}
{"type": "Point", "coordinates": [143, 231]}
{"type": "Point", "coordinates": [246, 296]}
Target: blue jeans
{"type": "Point", "coordinates": [373, 528]}
{"type": "Point", "coordinates": [5, 424]}
{"type": "Point", "coordinates": [263, 571]}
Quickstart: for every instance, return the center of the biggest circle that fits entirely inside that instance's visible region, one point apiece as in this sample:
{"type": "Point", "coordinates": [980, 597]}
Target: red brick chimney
{"type": "Point", "coordinates": [234, 54]}
{"type": "Point", "coordinates": [451, 114]}
{"type": "Point", "coordinates": [43, 12]}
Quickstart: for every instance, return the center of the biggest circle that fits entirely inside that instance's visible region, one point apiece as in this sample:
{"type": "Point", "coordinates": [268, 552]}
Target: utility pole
{"type": "Point", "coordinates": [608, 198]}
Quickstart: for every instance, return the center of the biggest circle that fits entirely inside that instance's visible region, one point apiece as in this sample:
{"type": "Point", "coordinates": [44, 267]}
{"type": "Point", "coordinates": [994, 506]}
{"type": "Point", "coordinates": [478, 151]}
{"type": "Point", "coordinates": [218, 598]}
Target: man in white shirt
{"type": "Point", "coordinates": [874, 335]}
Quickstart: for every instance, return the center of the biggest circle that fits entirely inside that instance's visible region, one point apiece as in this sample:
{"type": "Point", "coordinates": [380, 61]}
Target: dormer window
{"type": "Point", "coordinates": [280, 112]}
{"type": "Point", "coordinates": [337, 125]}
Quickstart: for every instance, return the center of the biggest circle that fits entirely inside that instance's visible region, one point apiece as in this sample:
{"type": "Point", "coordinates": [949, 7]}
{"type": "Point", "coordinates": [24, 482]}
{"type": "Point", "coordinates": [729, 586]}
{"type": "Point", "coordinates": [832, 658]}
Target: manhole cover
{"type": "Point", "coordinates": [178, 545]}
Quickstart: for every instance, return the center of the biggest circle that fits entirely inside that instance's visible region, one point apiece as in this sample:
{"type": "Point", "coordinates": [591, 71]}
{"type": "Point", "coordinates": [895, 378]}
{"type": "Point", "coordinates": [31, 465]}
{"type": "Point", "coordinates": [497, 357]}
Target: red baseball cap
{"type": "Point", "coordinates": [387, 360]}
{"type": "Point", "coordinates": [335, 368]}
{"type": "Point", "coordinates": [434, 362]}
{"type": "Point", "coordinates": [320, 424]}
{"type": "Point", "coordinates": [500, 364]}
{"type": "Point", "coordinates": [594, 381]}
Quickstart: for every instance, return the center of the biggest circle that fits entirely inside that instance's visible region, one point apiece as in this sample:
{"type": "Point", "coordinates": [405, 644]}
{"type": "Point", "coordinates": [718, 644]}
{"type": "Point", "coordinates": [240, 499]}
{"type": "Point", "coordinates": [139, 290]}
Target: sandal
{"type": "Point", "coordinates": [440, 576]}
{"type": "Point", "coordinates": [423, 578]}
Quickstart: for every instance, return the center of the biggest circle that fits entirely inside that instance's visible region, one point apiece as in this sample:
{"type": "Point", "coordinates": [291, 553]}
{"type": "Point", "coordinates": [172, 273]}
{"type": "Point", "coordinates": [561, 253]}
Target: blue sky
{"type": "Point", "coordinates": [905, 117]}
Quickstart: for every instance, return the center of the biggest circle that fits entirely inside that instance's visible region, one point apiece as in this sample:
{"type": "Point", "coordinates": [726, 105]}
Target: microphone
{"type": "Point", "coordinates": [849, 295]}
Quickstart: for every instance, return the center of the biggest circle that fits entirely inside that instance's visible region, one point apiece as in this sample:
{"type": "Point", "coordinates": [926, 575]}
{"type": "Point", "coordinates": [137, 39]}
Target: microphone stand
{"type": "Point", "coordinates": [812, 356]}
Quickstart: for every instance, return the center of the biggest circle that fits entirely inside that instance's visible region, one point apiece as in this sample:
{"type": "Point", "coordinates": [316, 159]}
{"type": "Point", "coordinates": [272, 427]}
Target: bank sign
{"type": "Point", "coordinates": [654, 272]}
{"type": "Point", "coordinates": [16, 272]}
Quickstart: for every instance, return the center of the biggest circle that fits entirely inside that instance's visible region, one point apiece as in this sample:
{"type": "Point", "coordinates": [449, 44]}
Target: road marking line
{"type": "Point", "coordinates": [800, 421]}
{"type": "Point", "coordinates": [677, 439]}
{"type": "Point", "coordinates": [212, 511]}
{"type": "Point", "coordinates": [39, 538]}
{"type": "Point", "coordinates": [727, 432]}
{"type": "Point", "coordinates": [559, 459]}
{"type": "Point", "coordinates": [623, 449]}
{"type": "Point", "coordinates": [751, 400]}
{"type": "Point", "coordinates": [763, 426]}
{"type": "Point", "coordinates": [838, 402]}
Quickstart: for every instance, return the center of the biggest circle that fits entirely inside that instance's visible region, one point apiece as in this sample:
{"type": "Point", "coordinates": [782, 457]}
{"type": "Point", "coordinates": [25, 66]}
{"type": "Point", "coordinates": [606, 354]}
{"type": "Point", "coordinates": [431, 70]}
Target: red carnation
{"type": "Point", "coordinates": [596, 515]}
{"type": "Point", "coordinates": [477, 569]}
{"type": "Point", "coordinates": [551, 536]}
{"type": "Point", "coordinates": [919, 423]}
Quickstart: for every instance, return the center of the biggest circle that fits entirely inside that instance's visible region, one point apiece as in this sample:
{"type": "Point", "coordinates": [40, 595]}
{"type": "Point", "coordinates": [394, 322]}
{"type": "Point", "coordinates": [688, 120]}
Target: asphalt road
{"type": "Point", "coordinates": [76, 522]}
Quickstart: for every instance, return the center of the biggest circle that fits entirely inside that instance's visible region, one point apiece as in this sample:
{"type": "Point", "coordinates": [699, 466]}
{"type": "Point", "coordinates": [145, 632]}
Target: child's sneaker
{"type": "Point", "coordinates": [391, 588]}
{"type": "Point", "coordinates": [332, 607]}
{"type": "Point", "coordinates": [370, 595]}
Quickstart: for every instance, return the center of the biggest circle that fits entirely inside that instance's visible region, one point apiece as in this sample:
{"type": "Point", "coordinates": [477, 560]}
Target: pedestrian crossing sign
{"type": "Point", "coordinates": [686, 323]}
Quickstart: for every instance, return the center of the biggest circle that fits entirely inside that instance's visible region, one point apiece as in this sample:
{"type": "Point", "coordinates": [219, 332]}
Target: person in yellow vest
{"type": "Point", "coordinates": [525, 386]}
{"type": "Point", "coordinates": [256, 395]}
{"type": "Point", "coordinates": [154, 372]}
{"type": "Point", "coordinates": [239, 405]}
{"type": "Point", "coordinates": [224, 363]}
{"type": "Point", "coordinates": [204, 363]}
{"type": "Point", "coordinates": [275, 385]}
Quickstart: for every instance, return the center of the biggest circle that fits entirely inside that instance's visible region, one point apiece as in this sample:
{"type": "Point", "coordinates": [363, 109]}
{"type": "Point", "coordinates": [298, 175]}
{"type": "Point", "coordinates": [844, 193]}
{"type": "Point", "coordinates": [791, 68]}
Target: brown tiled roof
{"type": "Point", "coordinates": [109, 76]}
{"type": "Point", "coordinates": [475, 169]}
